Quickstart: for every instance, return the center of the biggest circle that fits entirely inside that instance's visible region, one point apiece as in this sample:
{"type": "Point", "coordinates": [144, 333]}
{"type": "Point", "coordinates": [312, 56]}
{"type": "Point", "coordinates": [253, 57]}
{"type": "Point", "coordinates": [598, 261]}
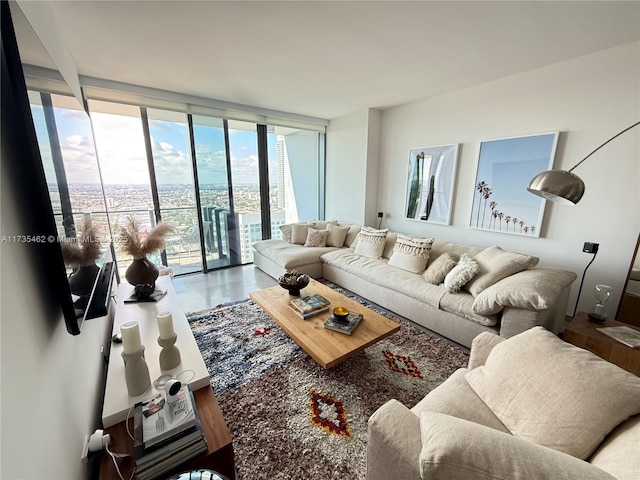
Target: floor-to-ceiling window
{"type": "Point", "coordinates": [223, 183]}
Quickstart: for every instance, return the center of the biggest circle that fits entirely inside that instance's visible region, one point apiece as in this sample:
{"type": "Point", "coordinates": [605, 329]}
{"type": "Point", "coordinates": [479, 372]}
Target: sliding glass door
{"type": "Point", "coordinates": [224, 184]}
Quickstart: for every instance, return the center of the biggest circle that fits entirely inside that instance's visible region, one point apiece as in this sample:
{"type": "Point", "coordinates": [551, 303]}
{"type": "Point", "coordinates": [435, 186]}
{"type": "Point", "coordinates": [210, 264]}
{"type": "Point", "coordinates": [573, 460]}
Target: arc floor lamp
{"type": "Point", "coordinates": [563, 186]}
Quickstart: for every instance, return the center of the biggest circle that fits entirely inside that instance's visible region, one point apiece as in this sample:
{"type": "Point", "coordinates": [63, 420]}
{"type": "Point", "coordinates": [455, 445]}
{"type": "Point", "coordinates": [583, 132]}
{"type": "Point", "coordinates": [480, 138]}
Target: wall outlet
{"type": "Point", "coordinates": [590, 247]}
{"type": "Point", "coordinates": [380, 214]}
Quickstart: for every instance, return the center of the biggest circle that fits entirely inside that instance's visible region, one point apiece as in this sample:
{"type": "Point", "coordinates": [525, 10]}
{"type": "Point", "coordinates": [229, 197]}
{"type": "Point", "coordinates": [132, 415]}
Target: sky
{"type": "Point", "coordinates": [119, 145]}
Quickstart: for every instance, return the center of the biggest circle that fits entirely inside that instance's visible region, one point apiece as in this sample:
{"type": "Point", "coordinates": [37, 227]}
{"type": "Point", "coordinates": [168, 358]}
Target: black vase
{"type": "Point", "coordinates": [82, 279]}
{"type": "Point", "coordinates": [142, 274]}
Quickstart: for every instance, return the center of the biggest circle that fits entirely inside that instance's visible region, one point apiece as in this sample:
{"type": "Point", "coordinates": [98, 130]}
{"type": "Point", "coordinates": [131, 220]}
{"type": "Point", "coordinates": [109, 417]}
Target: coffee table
{"type": "Point", "coordinates": [326, 347]}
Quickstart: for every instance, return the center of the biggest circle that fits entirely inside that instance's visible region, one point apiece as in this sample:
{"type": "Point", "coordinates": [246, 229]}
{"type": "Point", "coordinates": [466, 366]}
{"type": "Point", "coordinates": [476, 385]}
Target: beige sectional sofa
{"type": "Point", "coordinates": [527, 407]}
{"type": "Point", "coordinates": [505, 306]}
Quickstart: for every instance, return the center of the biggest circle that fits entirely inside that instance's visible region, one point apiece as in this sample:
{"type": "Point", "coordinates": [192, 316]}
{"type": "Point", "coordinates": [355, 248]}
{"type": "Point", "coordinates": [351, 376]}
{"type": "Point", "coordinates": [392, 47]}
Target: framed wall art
{"type": "Point", "coordinates": [501, 202]}
{"type": "Point", "coordinates": [430, 183]}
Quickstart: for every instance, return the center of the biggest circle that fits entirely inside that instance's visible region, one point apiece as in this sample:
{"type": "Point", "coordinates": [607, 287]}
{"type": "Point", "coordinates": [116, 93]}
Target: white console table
{"type": "Point", "coordinates": [117, 402]}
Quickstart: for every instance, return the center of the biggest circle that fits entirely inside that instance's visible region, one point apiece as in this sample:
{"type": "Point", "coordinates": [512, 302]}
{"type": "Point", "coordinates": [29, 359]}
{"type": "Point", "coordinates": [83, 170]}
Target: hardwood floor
{"type": "Point", "coordinates": [200, 291]}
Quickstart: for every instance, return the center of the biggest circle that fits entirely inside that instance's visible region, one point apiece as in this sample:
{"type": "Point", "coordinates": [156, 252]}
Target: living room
{"type": "Point", "coordinates": [588, 97]}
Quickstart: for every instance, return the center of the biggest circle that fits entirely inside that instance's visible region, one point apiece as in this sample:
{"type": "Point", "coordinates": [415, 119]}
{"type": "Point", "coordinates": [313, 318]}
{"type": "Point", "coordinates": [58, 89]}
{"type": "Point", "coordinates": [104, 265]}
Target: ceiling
{"type": "Point", "coordinates": [327, 59]}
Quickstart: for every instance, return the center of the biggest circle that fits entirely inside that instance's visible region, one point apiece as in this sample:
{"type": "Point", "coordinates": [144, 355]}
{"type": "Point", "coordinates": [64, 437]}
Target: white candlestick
{"type": "Point", "coordinates": [130, 337]}
{"type": "Point", "coordinates": [165, 325]}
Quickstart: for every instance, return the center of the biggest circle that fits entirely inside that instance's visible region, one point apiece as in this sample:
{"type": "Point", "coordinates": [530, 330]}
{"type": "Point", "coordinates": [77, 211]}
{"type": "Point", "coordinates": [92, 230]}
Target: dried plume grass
{"type": "Point", "coordinates": [140, 245]}
{"type": "Point", "coordinates": [85, 248]}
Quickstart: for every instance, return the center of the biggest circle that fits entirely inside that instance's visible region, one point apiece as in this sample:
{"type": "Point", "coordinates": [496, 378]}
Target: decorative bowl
{"type": "Point", "coordinates": [341, 314]}
{"type": "Point", "coordinates": [293, 282]}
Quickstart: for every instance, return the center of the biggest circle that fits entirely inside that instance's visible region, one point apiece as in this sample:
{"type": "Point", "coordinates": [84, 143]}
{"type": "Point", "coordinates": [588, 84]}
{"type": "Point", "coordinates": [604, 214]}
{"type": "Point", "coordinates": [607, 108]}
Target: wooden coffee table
{"type": "Point", "coordinates": [326, 347]}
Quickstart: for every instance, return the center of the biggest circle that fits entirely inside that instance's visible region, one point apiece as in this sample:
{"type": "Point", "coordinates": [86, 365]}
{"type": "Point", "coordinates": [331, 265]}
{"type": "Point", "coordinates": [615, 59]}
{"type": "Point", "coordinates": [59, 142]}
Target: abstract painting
{"type": "Point", "coordinates": [430, 183]}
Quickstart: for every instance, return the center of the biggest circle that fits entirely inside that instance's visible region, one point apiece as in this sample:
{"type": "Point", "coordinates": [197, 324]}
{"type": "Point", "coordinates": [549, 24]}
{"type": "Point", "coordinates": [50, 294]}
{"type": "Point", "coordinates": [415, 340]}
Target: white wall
{"type": "Point", "coordinates": [50, 379]}
{"type": "Point", "coordinates": [588, 99]}
{"type": "Point", "coordinates": [352, 167]}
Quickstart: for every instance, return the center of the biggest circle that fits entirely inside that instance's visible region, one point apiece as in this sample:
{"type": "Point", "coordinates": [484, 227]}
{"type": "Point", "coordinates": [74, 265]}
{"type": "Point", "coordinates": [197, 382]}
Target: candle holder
{"type": "Point", "coordinates": [169, 355]}
{"type": "Point", "coordinates": [136, 372]}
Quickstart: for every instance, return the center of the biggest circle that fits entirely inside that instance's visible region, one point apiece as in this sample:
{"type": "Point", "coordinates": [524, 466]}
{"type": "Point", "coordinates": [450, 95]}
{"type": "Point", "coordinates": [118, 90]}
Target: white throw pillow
{"type": "Point", "coordinates": [411, 253]}
{"type": "Point", "coordinates": [337, 235]}
{"type": "Point", "coordinates": [553, 393]}
{"type": "Point", "coordinates": [461, 273]}
{"type": "Point", "coordinates": [495, 264]}
{"type": "Point", "coordinates": [370, 242]}
{"type": "Point", "coordinates": [299, 233]}
{"type": "Point", "coordinates": [316, 238]}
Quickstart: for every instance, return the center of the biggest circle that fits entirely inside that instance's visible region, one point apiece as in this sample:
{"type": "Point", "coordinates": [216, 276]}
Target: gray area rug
{"type": "Point", "coordinates": [291, 419]}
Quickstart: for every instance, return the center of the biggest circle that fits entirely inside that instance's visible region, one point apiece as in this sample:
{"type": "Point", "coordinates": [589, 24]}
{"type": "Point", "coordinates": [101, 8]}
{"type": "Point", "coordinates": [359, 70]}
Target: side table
{"type": "Point", "coordinates": [583, 333]}
{"type": "Point", "coordinates": [218, 457]}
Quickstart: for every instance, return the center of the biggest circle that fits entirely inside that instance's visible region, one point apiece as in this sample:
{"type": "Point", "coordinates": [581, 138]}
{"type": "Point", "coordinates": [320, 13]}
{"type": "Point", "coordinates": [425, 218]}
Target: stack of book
{"type": "Point", "coordinates": [309, 306]}
{"type": "Point", "coordinates": [344, 325]}
{"type": "Point", "coordinates": [166, 433]}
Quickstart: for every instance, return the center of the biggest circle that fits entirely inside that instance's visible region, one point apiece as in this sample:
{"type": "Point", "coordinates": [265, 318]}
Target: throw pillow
{"type": "Point", "coordinates": [454, 448]}
{"type": "Point", "coordinates": [553, 393]}
{"type": "Point", "coordinates": [495, 264]}
{"type": "Point", "coordinates": [370, 242]}
{"type": "Point", "coordinates": [411, 253]}
{"type": "Point", "coordinates": [316, 238]}
{"type": "Point", "coordinates": [438, 269]}
{"type": "Point", "coordinates": [464, 271]}
{"type": "Point", "coordinates": [286, 232]}
{"type": "Point", "coordinates": [299, 232]}
{"type": "Point", "coordinates": [337, 235]}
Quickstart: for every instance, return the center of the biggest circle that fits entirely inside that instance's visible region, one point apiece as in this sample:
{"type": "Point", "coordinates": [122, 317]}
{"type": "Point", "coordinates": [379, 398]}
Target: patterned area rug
{"type": "Point", "coordinates": [291, 419]}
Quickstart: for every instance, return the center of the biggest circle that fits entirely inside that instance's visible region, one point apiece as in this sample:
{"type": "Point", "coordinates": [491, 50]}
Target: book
{"type": "Point", "coordinates": [169, 461]}
{"type": "Point", "coordinates": [310, 314]}
{"type": "Point", "coordinates": [161, 420]}
{"type": "Point", "coordinates": [309, 303]}
{"type": "Point", "coordinates": [343, 326]}
{"type": "Point", "coordinates": [625, 335]}
{"type": "Point", "coordinates": [154, 460]}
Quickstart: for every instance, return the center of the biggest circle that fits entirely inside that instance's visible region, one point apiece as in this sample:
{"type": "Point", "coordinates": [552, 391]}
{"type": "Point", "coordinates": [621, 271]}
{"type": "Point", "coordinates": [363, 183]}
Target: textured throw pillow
{"type": "Point", "coordinates": [495, 264]}
{"type": "Point", "coordinates": [411, 253]}
{"type": "Point", "coordinates": [371, 242]}
{"type": "Point", "coordinates": [299, 232]}
{"type": "Point", "coordinates": [438, 268]}
{"type": "Point", "coordinates": [337, 235]}
{"type": "Point", "coordinates": [464, 271]}
{"type": "Point", "coordinates": [316, 238]}
{"type": "Point", "coordinates": [553, 393]}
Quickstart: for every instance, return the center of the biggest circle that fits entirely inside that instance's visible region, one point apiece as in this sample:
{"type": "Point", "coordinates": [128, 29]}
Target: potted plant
{"type": "Point", "coordinates": [139, 242]}
{"type": "Point", "coordinates": [80, 253]}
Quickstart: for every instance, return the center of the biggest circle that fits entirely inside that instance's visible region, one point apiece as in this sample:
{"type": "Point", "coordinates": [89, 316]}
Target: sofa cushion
{"type": "Point", "coordinates": [411, 253]}
{"type": "Point", "coordinates": [371, 242]}
{"type": "Point", "coordinates": [495, 264]}
{"type": "Point", "coordinates": [379, 272]}
{"type": "Point", "coordinates": [619, 454]}
{"type": "Point", "coordinates": [437, 269]}
{"type": "Point", "coordinates": [455, 397]}
{"type": "Point", "coordinates": [389, 243]}
{"type": "Point", "coordinates": [463, 272]}
{"type": "Point", "coordinates": [316, 238]}
{"type": "Point", "coordinates": [532, 289]}
{"type": "Point", "coordinates": [287, 230]}
{"type": "Point", "coordinates": [456, 449]}
{"type": "Point", "coordinates": [461, 303]}
{"type": "Point", "coordinates": [289, 255]}
{"type": "Point", "coordinates": [337, 235]}
{"type": "Point", "coordinates": [553, 393]}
